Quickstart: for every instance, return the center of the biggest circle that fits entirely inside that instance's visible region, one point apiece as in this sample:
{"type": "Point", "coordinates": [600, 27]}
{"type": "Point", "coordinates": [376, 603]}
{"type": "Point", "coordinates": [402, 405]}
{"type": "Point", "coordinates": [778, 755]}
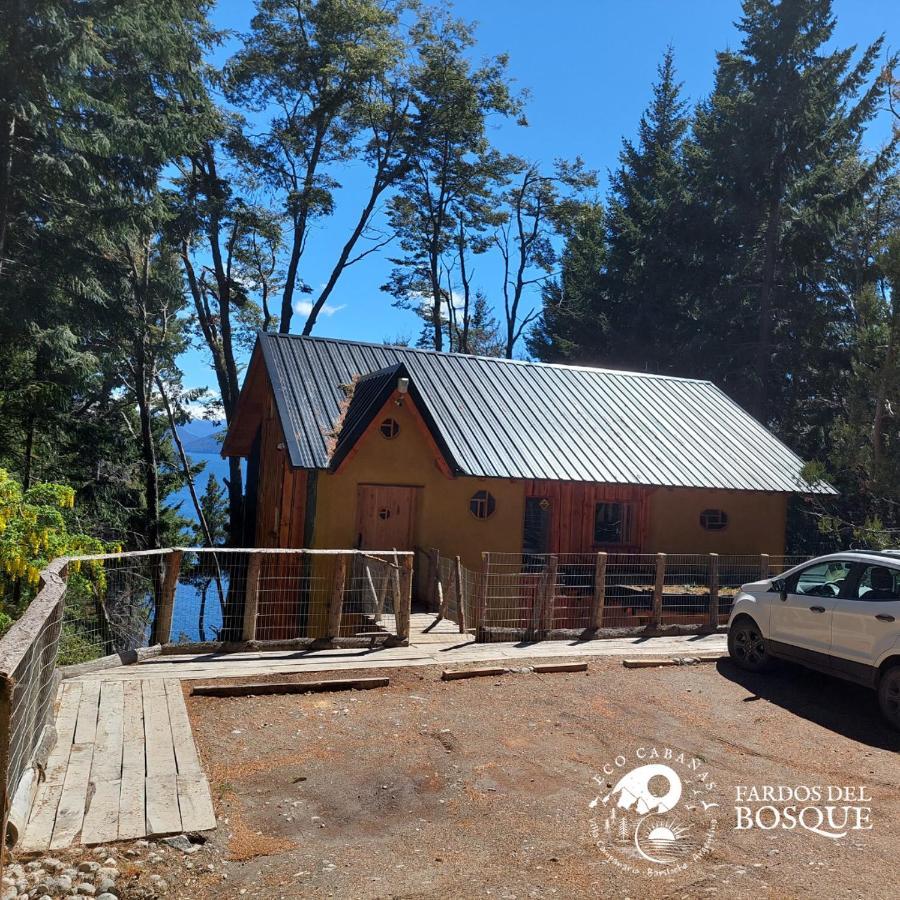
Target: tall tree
{"type": "Point", "coordinates": [768, 158]}
{"type": "Point", "coordinates": [325, 76]}
{"type": "Point", "coordinates": [454, 170]}
{"type": "Point", "coordinates": [643, 290]}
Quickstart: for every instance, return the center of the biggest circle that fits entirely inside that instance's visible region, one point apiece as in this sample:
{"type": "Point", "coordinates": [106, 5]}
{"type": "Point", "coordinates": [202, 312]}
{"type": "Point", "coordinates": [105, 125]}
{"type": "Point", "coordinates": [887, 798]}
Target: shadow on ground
{"type": "Point", "coordinates": [847, 709]}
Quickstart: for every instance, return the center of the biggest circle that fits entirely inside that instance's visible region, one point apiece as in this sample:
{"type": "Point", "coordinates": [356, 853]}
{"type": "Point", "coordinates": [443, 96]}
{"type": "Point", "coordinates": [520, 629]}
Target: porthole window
{"type": "Point", "coordinates": [482, 504]}
{"type": "Point", "coordinates": [714, 519]}
{"type": "Point", "coordinates": [390, 428]}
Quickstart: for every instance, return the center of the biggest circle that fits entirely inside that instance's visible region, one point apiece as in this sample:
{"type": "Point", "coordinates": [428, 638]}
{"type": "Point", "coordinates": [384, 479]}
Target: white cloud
{"type": "Point", "coordinates": [304, 308]}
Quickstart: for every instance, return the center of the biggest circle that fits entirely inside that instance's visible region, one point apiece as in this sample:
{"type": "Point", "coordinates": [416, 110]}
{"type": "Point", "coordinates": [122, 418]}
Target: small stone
{"type": "Point", "coordinates": [107, 896]}
{"type": "Point", "coordinates": [34, 865]}
{"type": "Point", "coordinates": [105, 884]}
{"type": "Point", "coordinates": [160, 884]}
{"type": "Point", "coordinates": [100, 851]}
{"type": "Point", "coordinates": [142, 843]}
{"type": "Point", "coordinates": [51, 864]}
{"type": "Point", "coordinates": [109, 872]}
{"type": "Point", "coordinates": [181, 842]}
{"type": "Point", "coordinates": [154, 858]}
{"type": "Point", "coordinates": [84, 888]}
{"type": "Point", "coordinates": [110, 861]}
{"type": "Point", "coordinates": [88, 867]}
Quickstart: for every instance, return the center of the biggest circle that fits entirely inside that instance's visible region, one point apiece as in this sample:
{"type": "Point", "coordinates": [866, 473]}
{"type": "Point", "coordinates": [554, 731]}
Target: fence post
{"type": "Point", "coordinates": [404, 605]}
{"type": "Point", "coordinates": [481, 596]}
{"type": "Point", "coordinates": [656, 613]}
{"type": "Point", "coordinates": [713, 590]}
{"type": "Point", "coordinates": [549, 600]}
{"type": "Point", "coordinates": [460, 598]}
{"type": "Point", "coordinates": [446, 595]}
{"type": "Point", "coordinates": [763, 566]}
{"type": "Point", "coordinates": [435, 589]}
{"type": "Point", "coordinates": [162, 630]}
{"type": "Point", "coordinates": [251, 597]}
{"type": "Point", "coordinates": [598, 600]}
{"type": "Point", "coordinates": [336, 601]}
{"type": "Point", "coordinates": [382, 591]}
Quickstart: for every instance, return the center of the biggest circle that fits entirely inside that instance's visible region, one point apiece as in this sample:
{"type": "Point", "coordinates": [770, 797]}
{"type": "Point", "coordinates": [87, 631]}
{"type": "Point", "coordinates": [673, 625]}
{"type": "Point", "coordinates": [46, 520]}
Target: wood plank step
{"type": "Point", "coordinates": [288, 687]}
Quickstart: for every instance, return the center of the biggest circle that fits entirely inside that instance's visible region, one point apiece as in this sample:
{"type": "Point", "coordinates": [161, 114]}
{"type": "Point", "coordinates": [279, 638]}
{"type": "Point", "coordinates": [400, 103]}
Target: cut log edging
{"type": "Point", "coordinates": [288, 687]}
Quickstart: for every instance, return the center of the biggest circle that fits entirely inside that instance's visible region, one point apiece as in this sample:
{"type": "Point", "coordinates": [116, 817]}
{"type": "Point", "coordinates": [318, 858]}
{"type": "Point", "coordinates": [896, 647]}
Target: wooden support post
{"type": "Point", "coordinates": [386, 579]}
{"type": "Point", "coordinates": [446, 595]}
{"type": "Point", "coordinates": [763, 566]}
{"type": "Point", "coordinates": [713, 590]}
{"type": "Point", "coordinates": [404, 605]}
{"type": "Point", "coordinates": [166, 606]}
{"type": "Point", "coordinates": [460, 597]}
{"type": "Point", "coordinates": [481, 595]}
{"type": "Point", "coordinates": [598, 600]}
{"type": "Point", "coordinates": [336, 601]}
{"type": "Point", "coordinates": [656, 614]}
{"type": "Point", "coordinates": [251, 597]}
{"type": "Point", "coordinates": [548, 603]}
{"type": "Point", "coordinates": [435, 591]}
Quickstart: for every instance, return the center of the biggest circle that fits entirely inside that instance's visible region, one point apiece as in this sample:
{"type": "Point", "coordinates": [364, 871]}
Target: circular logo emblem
{"type": "Point", "coordinates": [656, 813]}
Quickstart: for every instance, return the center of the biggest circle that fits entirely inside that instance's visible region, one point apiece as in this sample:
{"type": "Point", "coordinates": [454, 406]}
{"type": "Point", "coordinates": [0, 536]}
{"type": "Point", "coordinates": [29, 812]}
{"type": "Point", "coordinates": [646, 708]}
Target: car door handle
{"type": "Point", "coordinates": [817, 609]}
{"type": "Point", "coordinates": [882, 617]}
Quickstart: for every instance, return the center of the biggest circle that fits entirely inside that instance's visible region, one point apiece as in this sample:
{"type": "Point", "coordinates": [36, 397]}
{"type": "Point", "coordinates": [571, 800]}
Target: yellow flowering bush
{"type": "Point", "coordinates": [34, 531]}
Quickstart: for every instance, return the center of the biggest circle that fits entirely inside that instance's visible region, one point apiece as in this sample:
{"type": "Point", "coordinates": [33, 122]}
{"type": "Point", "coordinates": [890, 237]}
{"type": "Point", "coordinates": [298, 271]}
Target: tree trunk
{"type": "Point", "coordinates": [763, 362]}
{"type": "Point", "coordinates": [881, 389]}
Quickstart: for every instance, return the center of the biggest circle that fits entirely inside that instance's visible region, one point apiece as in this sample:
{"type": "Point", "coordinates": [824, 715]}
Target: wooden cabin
{"type": "Point", "coordinates": [378, 447]}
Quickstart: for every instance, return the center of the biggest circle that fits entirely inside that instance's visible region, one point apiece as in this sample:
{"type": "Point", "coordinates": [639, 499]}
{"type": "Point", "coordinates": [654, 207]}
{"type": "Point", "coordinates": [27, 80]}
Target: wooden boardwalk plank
{"type": "Point", "coordinates": [195, 803]}
{"type": "Point", "coordinates": [39, 830]}
{"type": "Point", "coordinates": [163, 816]}
{"type": "Point", "coordinates": [132, 814]}
{"type": "Point", "coordinates": [72, 801]}
{"type": "Point", "coordinates": [101, 821]}
{"type": "Point", "coordinates": [186, 758]}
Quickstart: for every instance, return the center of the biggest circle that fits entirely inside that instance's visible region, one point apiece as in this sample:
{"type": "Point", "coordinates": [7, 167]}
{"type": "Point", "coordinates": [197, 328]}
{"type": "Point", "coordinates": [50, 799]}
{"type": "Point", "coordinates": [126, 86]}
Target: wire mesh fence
{"type": "Point", "coordinates": [529, 596]}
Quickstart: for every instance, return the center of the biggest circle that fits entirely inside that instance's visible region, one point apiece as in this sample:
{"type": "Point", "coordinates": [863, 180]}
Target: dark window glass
{"type": "Point", "coordinates": [482, 504]}
{"type": "Point", "coordinates": [878, 583]}
{"type": "Point", "coordinates": [390, 428]}
{"type": "Point", "coordinates": [612, 523]}
{"type": "Point", "coordinates": [714, 519]}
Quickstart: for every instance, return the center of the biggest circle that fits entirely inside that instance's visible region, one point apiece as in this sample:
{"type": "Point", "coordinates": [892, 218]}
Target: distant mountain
{"type": "Point", "coordinates": [202, 437]}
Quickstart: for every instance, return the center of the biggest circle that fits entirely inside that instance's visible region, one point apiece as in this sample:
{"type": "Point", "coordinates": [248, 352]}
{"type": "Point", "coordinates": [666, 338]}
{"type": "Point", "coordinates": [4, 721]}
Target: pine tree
{"type": "Point", "coordinates": [769, 163]}
{"type": "Point", "coordinates": [643, 281]}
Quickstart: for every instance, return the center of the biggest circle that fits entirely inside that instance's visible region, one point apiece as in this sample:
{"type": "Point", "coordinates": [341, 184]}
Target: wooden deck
{"type": "Point", "coordinates": [124, 766]}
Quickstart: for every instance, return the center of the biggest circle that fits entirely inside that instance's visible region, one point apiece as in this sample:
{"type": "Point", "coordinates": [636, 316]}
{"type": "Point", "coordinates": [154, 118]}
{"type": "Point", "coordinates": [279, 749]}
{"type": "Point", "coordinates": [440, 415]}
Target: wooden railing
{"type": "Point", "coordinates": [147, 602]}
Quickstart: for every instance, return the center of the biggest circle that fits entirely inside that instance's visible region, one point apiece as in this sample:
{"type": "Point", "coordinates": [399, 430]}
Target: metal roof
{"type": "Point", "coordinates": [503, 418]}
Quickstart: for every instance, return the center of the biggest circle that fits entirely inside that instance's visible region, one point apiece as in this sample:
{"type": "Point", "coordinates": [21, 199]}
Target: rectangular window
{"type": "Point", "coordinates": [612, 523]}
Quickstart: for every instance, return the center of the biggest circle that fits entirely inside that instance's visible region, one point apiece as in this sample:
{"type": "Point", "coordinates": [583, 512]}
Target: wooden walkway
{"type": "Point", "coordinates": [124, 766]}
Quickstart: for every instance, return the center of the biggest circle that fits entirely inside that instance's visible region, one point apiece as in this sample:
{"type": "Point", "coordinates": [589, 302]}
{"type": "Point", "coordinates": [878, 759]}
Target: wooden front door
{"type": "Point", "coordinates": [385, 516]}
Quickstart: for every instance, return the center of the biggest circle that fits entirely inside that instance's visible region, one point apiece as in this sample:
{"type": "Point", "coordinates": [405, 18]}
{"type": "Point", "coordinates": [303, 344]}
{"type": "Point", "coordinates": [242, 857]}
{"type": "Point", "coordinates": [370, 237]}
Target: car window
{"type": "Point", "coordinates": [821, 580]}
{"type": "Point", "coordinates": [878, 583]}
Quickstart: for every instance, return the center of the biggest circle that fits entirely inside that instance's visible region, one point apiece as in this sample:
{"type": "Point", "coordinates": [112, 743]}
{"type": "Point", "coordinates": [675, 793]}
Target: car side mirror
{"type": "Point", "coordinates": [780, 585]}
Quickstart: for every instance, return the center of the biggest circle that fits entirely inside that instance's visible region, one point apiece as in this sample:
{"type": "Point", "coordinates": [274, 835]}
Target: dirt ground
{"type": "Point", "coordinates": [483, 787]}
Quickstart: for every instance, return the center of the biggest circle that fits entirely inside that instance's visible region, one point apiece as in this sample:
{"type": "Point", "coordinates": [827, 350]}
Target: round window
{"type": "Point", "coordinates": [714, 519]}
{"type": "Point", "coordinates": [482, 505]}
{"type": "Point", "coordinates": [390, 428]}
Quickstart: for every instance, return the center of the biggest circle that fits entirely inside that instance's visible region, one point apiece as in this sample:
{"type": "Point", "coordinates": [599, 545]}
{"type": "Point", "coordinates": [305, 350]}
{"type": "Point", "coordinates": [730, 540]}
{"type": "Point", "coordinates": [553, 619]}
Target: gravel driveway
{"type": "Point", "coordinates": [483, 787]}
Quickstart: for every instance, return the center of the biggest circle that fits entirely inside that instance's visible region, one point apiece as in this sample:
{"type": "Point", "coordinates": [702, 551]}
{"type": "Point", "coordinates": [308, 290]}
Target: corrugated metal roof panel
{"type": "Point", "coordinates": [516, 419]}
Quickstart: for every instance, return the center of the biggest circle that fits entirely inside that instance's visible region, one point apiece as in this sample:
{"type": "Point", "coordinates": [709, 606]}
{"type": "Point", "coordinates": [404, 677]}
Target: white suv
{"type": "Point", "coordinates": [839, 614]}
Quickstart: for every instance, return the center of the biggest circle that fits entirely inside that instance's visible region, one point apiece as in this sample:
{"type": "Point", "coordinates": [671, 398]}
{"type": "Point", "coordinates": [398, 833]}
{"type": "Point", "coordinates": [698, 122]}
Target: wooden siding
{"type": "Point", "coordinates": [572, 506]}
{"type": "Point", "coordinates": [280, 520]}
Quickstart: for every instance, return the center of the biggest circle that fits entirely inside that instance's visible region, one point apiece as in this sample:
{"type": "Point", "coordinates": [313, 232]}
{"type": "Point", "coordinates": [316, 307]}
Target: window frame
{"type": "Point", "coordinates": [724, 518]}
{"type": "Point", "coordinates": [392, 424]}
{"type": "Point", "coordinates": [857, 573]}
{"type": "Point", "coordinates": [489, 501]}
{"type": "Point", "coordinates": [626, 522]}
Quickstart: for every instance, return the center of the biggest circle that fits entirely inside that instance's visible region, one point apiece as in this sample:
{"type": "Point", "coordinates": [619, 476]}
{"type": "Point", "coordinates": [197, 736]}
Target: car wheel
{"type": "Point", "coordinates": [889, 696]}
{"type": "Point", "coordinates": [747, 646]}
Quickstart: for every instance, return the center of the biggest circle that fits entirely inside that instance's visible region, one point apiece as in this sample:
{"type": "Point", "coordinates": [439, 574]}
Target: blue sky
{"type": "Point", "coordinates": [589, 66]}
